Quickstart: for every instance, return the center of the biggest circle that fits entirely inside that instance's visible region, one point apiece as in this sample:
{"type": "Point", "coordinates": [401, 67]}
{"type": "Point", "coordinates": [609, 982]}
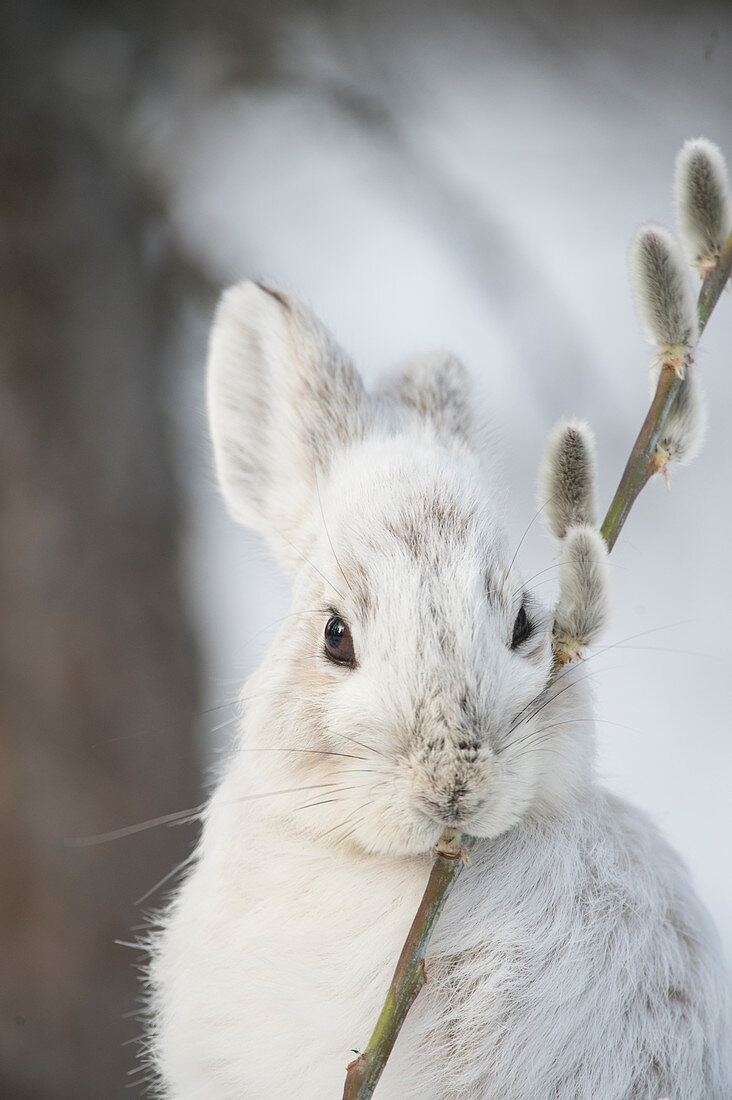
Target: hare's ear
{"type": "Point", "coordinates": [282, 401]}
{"type": "Point", "coordinates": [435, 388]}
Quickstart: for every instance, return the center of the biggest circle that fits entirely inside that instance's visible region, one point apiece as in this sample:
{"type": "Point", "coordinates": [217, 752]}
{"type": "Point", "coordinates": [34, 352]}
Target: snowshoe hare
{"type": "Point", "coordinates": [409, 689]}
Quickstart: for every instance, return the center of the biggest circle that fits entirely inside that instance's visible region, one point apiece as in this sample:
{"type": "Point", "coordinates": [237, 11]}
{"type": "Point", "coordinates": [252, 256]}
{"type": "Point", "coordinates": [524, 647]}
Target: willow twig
{"type": "Point", "coordinates": [641, 464]}
{"type": "Point", "coordinates": [409, 977]}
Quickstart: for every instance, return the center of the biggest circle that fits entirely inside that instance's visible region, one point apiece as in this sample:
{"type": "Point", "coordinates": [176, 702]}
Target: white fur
{"type": "Point", "coordinates": [572, 960]}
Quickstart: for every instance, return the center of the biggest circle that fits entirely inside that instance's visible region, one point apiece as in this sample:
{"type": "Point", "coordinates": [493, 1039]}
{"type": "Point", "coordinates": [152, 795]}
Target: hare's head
{"type": "Point", "coordinates": [408, 687]}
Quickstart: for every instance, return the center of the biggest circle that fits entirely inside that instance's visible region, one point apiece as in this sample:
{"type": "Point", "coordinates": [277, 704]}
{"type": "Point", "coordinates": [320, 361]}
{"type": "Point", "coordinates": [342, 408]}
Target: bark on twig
{"type": "Point", "coordinates": [641, 464]}
{"type": "Point", "coordinates": [409, 976]}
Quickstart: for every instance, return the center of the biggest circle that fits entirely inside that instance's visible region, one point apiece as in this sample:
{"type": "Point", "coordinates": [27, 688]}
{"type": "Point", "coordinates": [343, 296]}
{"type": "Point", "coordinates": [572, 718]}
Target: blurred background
{"type": "Point", "coordinates": [456, 174]}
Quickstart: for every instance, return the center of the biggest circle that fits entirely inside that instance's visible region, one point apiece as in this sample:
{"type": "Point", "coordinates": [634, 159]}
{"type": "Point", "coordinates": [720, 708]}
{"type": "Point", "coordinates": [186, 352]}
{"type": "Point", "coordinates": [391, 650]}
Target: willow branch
{"type": "Point", "coordinates": [642, 465]}
{"type": "Point", "coordinates": [409, 976]}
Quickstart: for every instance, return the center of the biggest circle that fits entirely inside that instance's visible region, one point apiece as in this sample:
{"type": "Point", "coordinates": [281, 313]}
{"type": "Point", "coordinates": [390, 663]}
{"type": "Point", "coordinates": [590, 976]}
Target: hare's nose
{"type": "Point", "coordinates": [468, 749]}
{"type": "Point", "coordinates": [453, 805]}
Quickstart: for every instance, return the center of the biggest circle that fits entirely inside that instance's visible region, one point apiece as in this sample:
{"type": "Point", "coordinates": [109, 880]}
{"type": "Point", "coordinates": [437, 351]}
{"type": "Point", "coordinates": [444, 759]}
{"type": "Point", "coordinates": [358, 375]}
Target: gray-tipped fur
{"type": "Point", "coordinates": [662, 289]}
{"type": "Point", "coordinates": [683, 433]}
{"type": "Point", "coordinates": [435, 387]}
{"type": "Point", "coordinates": [702, 202]}
{"type": "Point", "coordinates": [582, 611]}
{"type": "Point", "coordinates": [283, 400]}
{"type": "Point", "coordinates": [567, 477]}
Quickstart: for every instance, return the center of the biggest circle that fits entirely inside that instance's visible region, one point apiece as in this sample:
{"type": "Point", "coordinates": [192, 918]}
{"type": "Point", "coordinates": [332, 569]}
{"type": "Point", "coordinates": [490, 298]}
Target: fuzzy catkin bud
{"type": "Point", "coordinates": [702, 202]}
{"type": "Point", "coordinates": [663, 292]}
{"type": "Point", "coordinates": [683, 432]}
{"type": "Point", "coordinates": [583, 607]}
{"type": "Point", "coordinates": [567, 477]}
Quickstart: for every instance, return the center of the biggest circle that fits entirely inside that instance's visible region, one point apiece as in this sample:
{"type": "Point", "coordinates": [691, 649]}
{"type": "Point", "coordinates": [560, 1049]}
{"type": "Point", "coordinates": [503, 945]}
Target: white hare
{"type": "Point", "coordinates": [407, 691]}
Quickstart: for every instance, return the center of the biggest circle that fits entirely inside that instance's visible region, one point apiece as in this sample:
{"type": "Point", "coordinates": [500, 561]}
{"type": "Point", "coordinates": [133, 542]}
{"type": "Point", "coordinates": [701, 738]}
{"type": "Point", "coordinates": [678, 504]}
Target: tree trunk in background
{"type": "Point", "coordinates": [96, 659]}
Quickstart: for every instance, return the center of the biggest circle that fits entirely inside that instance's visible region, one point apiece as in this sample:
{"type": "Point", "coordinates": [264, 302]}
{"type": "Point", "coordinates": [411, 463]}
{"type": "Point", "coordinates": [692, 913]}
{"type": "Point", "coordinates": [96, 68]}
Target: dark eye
{"type": "Point", "coordinates": [338, 642]}
{"type": "Point", "coordinates": [521, 628]}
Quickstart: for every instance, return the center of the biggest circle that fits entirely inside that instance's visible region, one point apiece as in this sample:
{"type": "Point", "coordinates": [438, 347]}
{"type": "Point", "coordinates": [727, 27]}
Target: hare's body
{"type": "Point", "coordinates": [570, 962]}
{"type": "Point", "coordinates": [412, 688]}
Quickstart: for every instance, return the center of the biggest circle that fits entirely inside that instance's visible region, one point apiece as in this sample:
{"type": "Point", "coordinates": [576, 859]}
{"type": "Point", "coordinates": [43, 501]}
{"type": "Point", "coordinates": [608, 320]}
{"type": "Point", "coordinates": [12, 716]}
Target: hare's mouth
{"type": "Point", "coordinates": [453, 810]}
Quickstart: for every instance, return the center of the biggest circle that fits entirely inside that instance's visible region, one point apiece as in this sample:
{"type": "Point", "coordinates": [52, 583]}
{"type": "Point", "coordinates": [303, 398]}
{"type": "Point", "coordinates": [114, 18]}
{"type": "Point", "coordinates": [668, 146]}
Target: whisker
{"type": "Point", "coordinates": [307, 561]}
{"type": "Point", "coordinates": [318, 752]}
{"type": "Point", "coordinates": [620, 643]}
{"type": "Point", "coordinates": [550, 699]}
{"type": "Point", "coordinates": [568, 722]}
{"type": "Point", "coordinates": [532, 702]}
{"type": "Point", "coordinates": [353, 828]}
{"type": "Point", "coordinates": [359, 821]}
{"type": "Point", "coordinates": [311, 805]}
{"type": "Point", "coordinates": [536, 515]}
{"type": "Point", "coordinates": [180, 817]}
{"type": "Point", "coordinates": [567, 687]}
{"type": "Point", "coordinates": [368, 748]}
{"type": "Point", "coordinates": [281, 619]}
{"type": "Point", "coordinates": [243, 700]}
{"type": "Point", "coordinates": [526, 531]}
{"type": "Point", "coordinates": [536, 748]}
{"type": "Point", "coordinates": [224, 725]}
{"type": "Point", "coordinates": [327, 532]}
{"type": "Point", "coordinates": [556, 565]}
{"type": "Point", "coordinates": [166, 878]}
{"type": "Point", "coordinates": [345, 820]}
{"type": "Point", "coordinates": [338, 791]}
{"type": "Point", "coordinates": [272, 794]}
{"type": "Point", "coordinates": [670, 649]}
{"type": "Point", "coordinates": [218, 706]}
{"type": "Point", "coordinates": [586, 660]}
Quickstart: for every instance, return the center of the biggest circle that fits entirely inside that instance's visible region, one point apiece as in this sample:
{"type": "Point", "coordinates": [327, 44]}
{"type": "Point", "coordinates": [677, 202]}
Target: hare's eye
{"type": "Point", "coordinates": [521, 628]}
{"type": "Point", "coordinates": [338, 642]}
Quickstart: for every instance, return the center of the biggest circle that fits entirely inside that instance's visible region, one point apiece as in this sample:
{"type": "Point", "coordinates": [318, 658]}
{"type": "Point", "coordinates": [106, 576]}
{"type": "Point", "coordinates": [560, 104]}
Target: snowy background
{"type": "Point", "coordinates": [473, 183]}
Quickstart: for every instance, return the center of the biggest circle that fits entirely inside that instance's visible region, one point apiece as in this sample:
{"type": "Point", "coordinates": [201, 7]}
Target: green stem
{"type": "Point", "coordinates": [714, 283]}
{"type": "Point", "coordinates": [409, 976]}
{"type": "Point", "coordinates": [641, 464]}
